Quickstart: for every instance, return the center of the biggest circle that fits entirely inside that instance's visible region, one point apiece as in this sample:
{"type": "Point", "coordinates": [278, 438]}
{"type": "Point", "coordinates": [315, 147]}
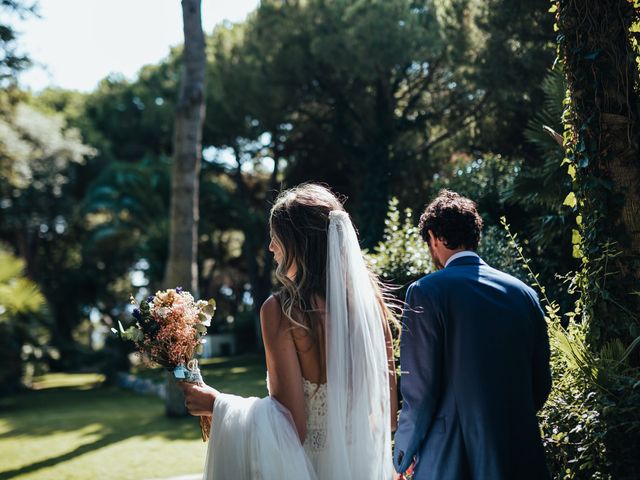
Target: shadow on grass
{"type": "Point", "coordinates": [148, 428]}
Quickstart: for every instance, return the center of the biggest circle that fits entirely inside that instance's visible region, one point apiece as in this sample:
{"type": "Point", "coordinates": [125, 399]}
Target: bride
{"type": "Point", "coordinates": [331, 377]}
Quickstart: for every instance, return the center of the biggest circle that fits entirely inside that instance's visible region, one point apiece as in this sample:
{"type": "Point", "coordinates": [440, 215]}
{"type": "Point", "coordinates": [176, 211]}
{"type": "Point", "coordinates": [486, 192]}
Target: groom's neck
{"type": "Point", "coordinates": [447, 254]}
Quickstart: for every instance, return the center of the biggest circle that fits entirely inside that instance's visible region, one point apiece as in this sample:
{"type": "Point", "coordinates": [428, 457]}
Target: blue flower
{"type": "Point", "coordinates": [136, 314]}
{"type": "Point", "coordinates": [179, 289]}
{"type": "Point", "coordinates": [150, 298]}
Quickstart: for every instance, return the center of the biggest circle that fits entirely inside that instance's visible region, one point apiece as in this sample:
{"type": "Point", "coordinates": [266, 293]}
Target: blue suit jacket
{"type": "Point", "coordinates": [474, 354]}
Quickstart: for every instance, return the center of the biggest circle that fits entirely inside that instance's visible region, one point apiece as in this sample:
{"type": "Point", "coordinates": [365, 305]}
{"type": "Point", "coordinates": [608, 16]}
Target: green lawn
{"type": "Point", "coordinates": [71, 427]}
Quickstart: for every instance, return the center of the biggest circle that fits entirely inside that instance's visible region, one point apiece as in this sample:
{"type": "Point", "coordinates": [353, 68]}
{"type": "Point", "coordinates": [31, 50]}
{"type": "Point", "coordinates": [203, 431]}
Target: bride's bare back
{"type": "Point", "coordinates": [311, 350]}
{"type": "Point", "coordinates": [291, 356]}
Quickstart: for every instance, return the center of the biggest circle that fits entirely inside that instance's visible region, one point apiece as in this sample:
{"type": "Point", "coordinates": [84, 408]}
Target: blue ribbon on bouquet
{"type": "Point", "coordinates": [188, 373]}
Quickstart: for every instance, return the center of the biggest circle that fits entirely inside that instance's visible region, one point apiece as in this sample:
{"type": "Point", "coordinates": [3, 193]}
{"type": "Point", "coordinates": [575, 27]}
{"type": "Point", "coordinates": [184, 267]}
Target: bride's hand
{"type": "Point", "coordinates": [199, 398]}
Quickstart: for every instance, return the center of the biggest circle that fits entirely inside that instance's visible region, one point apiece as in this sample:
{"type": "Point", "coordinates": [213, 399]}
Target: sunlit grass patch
{"type": "Point", "coordinates": [73, 428]}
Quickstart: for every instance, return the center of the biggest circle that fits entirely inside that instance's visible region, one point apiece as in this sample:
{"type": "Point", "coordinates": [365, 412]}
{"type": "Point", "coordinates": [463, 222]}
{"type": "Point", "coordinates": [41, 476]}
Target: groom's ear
{"type": "Point", "coordinates": [431, 238]}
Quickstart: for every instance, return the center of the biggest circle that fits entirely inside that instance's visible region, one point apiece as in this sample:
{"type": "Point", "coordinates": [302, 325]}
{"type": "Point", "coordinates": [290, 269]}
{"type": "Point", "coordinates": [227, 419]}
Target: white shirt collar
{"type": "Point", "coordinates": [464, 253]}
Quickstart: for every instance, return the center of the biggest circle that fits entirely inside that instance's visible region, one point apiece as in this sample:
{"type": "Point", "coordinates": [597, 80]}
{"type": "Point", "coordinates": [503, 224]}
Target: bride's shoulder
{"type": "Point", "coordinates": [271, 305]}
{"type": "Point", "coordinates": [276, 334]}
{"type": "Point", "coordinates": [271, 313]}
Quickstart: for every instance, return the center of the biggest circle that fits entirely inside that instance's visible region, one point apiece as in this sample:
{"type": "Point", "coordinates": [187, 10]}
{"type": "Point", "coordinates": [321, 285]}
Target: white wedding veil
{"type": "Point", "coordinates": [358, 396]}
{"type": "Point", "coordinates": [255, 439]}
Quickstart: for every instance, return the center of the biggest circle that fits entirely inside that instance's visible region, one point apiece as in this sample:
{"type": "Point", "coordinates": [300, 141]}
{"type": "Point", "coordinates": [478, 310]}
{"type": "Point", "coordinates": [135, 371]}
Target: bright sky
{"type": "Point", "coordinates": [76, 43]}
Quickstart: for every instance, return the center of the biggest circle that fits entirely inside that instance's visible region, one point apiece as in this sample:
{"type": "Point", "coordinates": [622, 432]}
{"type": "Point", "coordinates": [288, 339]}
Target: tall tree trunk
{"type": "Point", "coordinates": [182, 266]}
{"type": "Point", "coordinates": [604, 146]}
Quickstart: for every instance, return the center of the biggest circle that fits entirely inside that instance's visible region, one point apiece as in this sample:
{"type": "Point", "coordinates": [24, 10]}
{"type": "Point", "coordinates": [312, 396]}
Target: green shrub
{"type": "Point", "coordinates": [22, 321]}
{"type": "Point", "coordinates": [402, 256]}
{"type": "Point", "coordinates": [591, 421]}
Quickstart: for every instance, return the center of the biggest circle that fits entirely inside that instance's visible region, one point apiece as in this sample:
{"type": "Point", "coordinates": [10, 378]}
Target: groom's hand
{"type": "Point", "coordinates": [402, 476]}
{"type": "Point", "coordinates": [199, 398]}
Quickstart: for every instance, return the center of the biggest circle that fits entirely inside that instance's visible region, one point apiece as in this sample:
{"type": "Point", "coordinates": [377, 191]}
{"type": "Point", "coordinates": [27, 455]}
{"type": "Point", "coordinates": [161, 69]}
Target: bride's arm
{"type": "Point", "coordinates": [393, 383]}
{"type": "Point", "coordinates": [285, 376]}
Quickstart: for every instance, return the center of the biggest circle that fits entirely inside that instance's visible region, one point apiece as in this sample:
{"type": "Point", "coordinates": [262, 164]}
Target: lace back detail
{"type": "Point", "coordinates": [315, 401]}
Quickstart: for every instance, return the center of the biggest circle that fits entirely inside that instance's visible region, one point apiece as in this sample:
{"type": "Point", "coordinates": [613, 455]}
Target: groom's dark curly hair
{"type": "Point", "coordinates": [454, 219]}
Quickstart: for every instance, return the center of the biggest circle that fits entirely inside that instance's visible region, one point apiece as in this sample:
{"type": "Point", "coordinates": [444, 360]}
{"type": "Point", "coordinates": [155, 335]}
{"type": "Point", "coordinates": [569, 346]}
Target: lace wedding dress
{"type": "Point", "coordinates": [315, 402]}
{"type": "Point", "coordinates": [348, 418]}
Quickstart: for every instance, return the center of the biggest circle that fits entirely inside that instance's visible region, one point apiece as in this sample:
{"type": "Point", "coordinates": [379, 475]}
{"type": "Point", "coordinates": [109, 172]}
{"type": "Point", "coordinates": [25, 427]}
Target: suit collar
{"type": "Point", "coordinates": [462, 253]}
{"type": "Point", "coordinates": [465, 260]}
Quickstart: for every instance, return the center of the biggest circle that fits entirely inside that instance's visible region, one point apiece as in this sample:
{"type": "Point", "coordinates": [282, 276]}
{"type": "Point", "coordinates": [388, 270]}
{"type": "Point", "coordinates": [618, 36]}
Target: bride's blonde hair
{"type": "Point", "coordinates": [299, 222]}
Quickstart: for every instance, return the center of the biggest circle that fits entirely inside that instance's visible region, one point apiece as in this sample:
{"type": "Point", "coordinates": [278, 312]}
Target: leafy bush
{"type": "Point", "coordinates": [22, 320]}
{"type": "Point", "coordinates": [494, 249]}
{"type": "Point", "coordinates": [591, 421]}
{"type": "Point", "coordinates": [402, 256]}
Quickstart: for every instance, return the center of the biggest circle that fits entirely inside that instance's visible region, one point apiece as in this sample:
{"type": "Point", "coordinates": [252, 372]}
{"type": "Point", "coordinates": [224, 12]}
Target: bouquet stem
{"type": "Point", "coordinates": [205, 427]}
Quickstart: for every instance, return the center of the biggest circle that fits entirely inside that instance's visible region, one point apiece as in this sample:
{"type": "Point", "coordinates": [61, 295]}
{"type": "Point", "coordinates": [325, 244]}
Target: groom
{"type": "Point", "coordinates": [475, 360]}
